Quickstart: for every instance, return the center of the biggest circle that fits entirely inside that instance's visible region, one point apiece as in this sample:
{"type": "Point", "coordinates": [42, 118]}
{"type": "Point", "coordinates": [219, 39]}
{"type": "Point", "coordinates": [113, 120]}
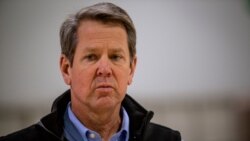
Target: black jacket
{"type": "Point", "coordinates": [50, 128]}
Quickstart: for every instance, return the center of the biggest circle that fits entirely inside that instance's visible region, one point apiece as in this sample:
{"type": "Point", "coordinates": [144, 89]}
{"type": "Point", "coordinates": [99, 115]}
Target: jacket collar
{"type": "Point", "coordinates": [139, 117]}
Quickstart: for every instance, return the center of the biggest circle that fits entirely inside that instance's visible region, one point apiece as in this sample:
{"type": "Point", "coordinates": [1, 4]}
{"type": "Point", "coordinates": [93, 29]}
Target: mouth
{"type": "Point", "coordinates": [104, 88]}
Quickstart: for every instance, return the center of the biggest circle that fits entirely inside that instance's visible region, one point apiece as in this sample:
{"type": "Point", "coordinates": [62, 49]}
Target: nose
{"type": "Point", "coordinates": [104, 68]}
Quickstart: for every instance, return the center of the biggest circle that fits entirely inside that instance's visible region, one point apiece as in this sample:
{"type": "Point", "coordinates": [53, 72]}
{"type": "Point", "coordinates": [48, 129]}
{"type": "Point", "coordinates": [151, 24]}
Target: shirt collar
{"type": "Point", "coordinates": [85, 133]}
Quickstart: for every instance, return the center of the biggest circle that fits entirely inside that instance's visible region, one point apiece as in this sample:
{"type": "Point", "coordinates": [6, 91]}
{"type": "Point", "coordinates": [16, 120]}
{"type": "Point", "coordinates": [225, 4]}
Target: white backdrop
{"type": "Point", "coordinates": [186, 48]}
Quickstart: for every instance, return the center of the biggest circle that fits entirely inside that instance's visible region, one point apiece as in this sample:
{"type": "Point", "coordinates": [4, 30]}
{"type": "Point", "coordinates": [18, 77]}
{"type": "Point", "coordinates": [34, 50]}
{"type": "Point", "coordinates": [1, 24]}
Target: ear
{"type": "Point", "coordinates": [132, 70]}
{"type": "Point", "coordinates": [65, 68]}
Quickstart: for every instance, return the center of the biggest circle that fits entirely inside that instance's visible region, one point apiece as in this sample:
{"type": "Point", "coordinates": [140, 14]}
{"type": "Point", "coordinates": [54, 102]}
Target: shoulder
{"type": "Point", "coordinates": [161, 133]}
{"type": "Point", "coordinates": [31, 133]}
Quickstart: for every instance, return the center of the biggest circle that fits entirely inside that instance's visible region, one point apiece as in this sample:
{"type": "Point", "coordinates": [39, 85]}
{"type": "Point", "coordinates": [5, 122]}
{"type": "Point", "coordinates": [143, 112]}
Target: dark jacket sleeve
{"type": "Point", "coordinates": [155, 132]}
{"type": "Point", "coordinates": [32, 133]}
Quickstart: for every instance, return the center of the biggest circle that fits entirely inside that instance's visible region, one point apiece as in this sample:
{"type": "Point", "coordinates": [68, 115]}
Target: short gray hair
{"type": "Point", "coordinates": [103, 12]}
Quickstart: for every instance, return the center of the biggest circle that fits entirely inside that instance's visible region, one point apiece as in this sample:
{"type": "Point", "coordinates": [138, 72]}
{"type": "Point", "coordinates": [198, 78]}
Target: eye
{"type": "Point", "coordinates": [115, 57]}
{"type": "Point", "coordinates": [90, 57]}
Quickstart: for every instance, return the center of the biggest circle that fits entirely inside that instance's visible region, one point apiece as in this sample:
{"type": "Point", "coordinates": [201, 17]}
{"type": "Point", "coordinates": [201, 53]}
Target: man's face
{"type": "Point", "coordinates": [101, 69]}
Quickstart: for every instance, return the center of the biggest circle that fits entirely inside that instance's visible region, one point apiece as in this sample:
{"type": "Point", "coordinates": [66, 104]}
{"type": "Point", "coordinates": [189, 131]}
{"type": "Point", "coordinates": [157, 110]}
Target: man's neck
{"type": "Point", "coordinates": [105, 123]}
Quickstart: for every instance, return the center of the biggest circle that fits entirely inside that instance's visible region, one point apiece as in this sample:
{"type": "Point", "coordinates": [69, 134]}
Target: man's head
{"type": "Point", "coordinates": [98, 57]}
{"type": "Point", "coordinates": [103, 12]}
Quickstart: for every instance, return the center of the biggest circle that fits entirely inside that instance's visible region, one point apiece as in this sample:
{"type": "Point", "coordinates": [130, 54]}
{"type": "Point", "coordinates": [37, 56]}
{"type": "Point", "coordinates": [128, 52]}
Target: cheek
{"type": "Point", "coordinates": [82, 79]}
{"type": "Point", "coordinates": [123, 79]}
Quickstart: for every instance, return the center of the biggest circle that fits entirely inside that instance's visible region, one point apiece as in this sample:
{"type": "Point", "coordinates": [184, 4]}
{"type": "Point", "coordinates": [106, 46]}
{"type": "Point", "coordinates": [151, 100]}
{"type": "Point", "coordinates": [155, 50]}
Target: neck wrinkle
{"type": "Point", "coordinates": [106, 124]}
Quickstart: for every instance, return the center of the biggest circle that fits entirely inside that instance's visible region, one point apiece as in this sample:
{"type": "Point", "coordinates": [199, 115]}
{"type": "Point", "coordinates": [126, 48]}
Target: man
{"type": "Point", "coordinates": [98, 62]}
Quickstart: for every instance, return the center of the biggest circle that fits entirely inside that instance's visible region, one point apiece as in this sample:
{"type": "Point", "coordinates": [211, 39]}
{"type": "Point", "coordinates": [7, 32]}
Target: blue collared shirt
{"type": "Point", "coordinates": [74, 130]}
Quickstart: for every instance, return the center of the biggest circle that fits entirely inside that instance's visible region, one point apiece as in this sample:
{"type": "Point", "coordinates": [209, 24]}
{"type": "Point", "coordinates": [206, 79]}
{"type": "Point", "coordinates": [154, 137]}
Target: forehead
{"type": "Point", "coordinates": [96, 27]}
{"type": "Point", "coordinates": [95, 32]}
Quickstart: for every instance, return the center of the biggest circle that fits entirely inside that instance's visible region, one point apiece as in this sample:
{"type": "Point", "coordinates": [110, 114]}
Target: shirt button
{"type": "Point", "coordinates": [92, 135]}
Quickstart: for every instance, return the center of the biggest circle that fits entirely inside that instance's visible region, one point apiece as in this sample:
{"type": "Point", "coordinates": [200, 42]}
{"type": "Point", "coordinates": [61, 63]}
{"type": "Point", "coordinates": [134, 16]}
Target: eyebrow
{"type": "Point", "coordinates": [90, 49]}
{"type": "Point", "coordinates": [94, 49]}
{"type": "Point", "coordinates": [117, 50]}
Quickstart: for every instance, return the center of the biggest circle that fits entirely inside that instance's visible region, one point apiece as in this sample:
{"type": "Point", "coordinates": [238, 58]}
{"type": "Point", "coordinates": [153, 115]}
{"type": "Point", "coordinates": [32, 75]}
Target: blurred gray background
{"type": "Point", "coordinates": [193, 63]}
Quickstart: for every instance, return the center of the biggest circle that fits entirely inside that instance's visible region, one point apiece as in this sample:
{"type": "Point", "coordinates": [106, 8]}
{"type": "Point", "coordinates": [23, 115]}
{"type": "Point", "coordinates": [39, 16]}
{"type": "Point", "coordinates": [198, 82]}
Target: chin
{"type": "Point", "coordinates": [107, 102]}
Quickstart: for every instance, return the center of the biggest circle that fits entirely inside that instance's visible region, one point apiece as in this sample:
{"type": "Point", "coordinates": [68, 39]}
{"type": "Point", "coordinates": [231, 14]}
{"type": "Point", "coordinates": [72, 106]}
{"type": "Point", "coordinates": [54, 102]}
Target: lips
{"type": "Point", "coordinates": [104, 88]}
